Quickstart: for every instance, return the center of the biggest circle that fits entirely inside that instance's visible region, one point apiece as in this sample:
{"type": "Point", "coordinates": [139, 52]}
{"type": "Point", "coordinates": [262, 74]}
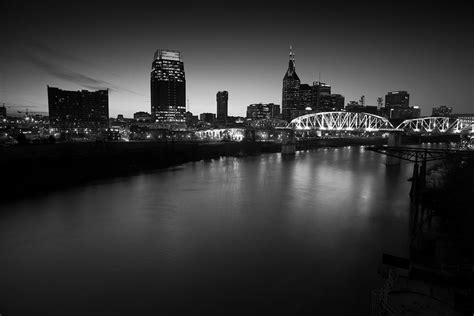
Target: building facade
{"type": "Point", "coordinates": [168, 89]}
{"type": "Point", "coordinates": [263, 111]}
{"type": "Point", "coordinates": [331, 102]}
{"type": "Point", "coordinates": [291, 89]}
{"type": "Point", "coordinates": [78, 109]}
{"type": "Point", "coordinates": [320, 90]}
{"type": "Point", "coordinates": [306, 98]}
{"type": "Point", "coordinates": [356, 107]}
{"type": "Point", "coordinates": [142, 116]}
{"type": "Point", "coordinates": [207, 117]}
{"type": "Point", "coordinates": [397, 99]}
{"type": "Point", "coordinates": [222, 99]}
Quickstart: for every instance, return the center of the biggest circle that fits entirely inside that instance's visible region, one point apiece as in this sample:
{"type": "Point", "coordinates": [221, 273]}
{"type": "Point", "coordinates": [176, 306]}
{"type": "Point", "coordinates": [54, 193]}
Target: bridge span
{"type": "Point", "coordinates": [367, 122]}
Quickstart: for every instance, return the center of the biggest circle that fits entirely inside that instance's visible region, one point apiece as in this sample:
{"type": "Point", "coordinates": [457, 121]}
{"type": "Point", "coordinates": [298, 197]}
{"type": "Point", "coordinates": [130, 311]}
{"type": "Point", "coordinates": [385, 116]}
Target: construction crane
{"type": "Point", "coordinates": [14, 105]}
{"type": "Point", "coordinates": [28, 114]}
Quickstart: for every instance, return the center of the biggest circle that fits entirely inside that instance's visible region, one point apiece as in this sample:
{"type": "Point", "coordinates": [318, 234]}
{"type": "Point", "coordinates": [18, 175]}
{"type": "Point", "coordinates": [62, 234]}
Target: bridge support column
{"type": "Point", "coordinates": [288, 146]}
{"type": "Point", "coordinates": [394, 140]}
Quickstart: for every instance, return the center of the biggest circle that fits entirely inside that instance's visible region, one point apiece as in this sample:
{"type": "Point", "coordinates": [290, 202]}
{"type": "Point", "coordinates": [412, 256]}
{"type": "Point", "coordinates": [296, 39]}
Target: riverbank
{"type": "Point", "coordinates": [438, 274]}
{"type": "Point", "coordinates": [38, 168]}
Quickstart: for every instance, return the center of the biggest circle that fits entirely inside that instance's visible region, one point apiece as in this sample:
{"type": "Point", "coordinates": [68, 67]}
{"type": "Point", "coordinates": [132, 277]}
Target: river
{"type": "Point", "coordinates": [296, 235]}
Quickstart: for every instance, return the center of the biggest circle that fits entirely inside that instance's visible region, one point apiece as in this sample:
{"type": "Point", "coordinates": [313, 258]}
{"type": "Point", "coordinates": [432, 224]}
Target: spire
{"type": "Point", "coordinates": [292, 55]}
{"type": "Point", "coordinates": [291, 64]}
{"type": "Point", "coordinates": [291, 72]}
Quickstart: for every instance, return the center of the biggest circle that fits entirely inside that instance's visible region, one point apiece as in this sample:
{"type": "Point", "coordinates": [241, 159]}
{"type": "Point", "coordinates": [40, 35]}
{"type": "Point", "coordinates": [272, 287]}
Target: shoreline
{"type": "Point", "coordinates": [38, 169]}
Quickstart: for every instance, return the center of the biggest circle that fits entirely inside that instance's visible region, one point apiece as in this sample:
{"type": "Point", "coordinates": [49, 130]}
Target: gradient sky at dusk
{"type": "Point", "coordinates": [242, 48]}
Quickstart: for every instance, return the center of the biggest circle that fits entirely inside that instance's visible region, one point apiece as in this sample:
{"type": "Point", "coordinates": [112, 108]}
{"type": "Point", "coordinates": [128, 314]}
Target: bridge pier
{"type": "Point", "coordinates": [288, 146]}
{"type": "Point", "coordinates": [394, 140]}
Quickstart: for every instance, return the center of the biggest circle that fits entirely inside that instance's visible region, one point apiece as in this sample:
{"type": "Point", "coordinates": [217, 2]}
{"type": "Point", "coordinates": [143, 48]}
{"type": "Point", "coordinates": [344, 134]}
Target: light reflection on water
{"type": "Point", "coordinates": [264, 233]}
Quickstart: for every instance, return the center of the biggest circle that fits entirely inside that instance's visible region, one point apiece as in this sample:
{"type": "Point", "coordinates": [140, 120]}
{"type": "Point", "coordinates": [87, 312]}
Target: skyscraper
{"type": "Point", "coordinates": [222, 106]}
{"type": "Point", "coordinates": [168, 89]}
{"type": "Point", "coordinates": [291, 87]}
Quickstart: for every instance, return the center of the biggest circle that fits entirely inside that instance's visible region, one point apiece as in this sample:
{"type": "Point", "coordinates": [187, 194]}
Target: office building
{"type": "Point", "coordinates": [222, 98]}
{"type": "Point", "coordinates": [320, 90]}
{"type": "Point", "coordinates": [78, 109]}
{"type": "Point", "coordinates": [354, 106]}
{"type": "Point", "coordinates": [142, 116]}
{"type": "Point", "coordinates": [396, 99]}
{"type": "Point", "coordinates": [168, 89]}
{"type": "Point", "coordinates": [291, 88]}
{"type": "Point", "coordinates": [306, 98]}
{"type": "Point", "coordinates": [191, 120]}
{"type": "Point", "coordinates": [207, 117]}
{"type": "Point", "coordinates": [263, 111]}
{"type": "Point", "coordinates": [331, 102]}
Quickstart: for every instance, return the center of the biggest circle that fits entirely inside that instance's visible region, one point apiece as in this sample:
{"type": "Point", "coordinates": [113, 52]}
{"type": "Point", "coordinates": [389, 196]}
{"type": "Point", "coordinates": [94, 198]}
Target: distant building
{"type": "Point", "coordinates": [236, 120]}
{"type": "Point", "coordinates": [442, 110]}
{"type": "Point", "coordinates": [263, 111]}
{"type": "Point", "coordinates": [464, 116]}
{"type": "Point", "coordinates": [331, 102]}
{"type": "Point", "coordinates": [142, 116]}
{"type": "Point", "coordinates": [379, 102]}
{"type": "Point", "coordinates": [396, 99]}
{"type": "Point", "coordinates": [397, 107]}
{"type": "Point", "coordinates": [168, 89]}
{"type": "Point", "coordinates": [3, 111]}
{"type": "Point", "coordinates": [291, 88]}
{"type": "Point", "coordinates": [207, 117]}
{"type": "Point", "coordinates": [70, 109]}
{"type": "Point", "coordinates": [191, 120]}
{"type": "Point", "coordinates": [356, 107]}
{"type": "Point", "coordinates": [320, 90]}
{"type": "Point", "coordinates": [399, 113]}
{"type": "Point", "coordinates": [306, 98]}
{"type": "Point", "coordinates": [222, 98]}
{"type": "Point", "coordinates": [274, 110]}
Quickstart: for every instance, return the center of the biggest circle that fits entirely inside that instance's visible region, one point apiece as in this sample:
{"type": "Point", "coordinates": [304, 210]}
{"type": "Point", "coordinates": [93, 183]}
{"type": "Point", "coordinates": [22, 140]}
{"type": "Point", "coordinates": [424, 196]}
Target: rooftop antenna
{"type": "Point", "coordinates": [187, 105]}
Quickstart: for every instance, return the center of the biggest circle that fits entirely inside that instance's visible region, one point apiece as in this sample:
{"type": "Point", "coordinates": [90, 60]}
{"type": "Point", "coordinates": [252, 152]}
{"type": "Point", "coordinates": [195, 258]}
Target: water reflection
{"type": "Point", "coordinates": [265, 233]}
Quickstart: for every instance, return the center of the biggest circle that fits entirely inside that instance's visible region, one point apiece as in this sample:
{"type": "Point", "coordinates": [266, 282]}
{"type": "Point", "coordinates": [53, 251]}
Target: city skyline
{"type": "Point", "coordinates": [425, 54]}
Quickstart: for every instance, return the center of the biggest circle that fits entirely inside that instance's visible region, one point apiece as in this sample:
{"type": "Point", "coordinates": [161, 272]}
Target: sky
{"type": "Point", "coordinates": [242, 47]}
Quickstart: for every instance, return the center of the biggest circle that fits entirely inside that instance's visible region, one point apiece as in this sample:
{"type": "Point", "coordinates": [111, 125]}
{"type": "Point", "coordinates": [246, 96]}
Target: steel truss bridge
{"type": "Point", "coordinates": [341, 121]}
{"type": "Point", "coordinates": [436, 125]}
{"type": "Point", "coordinates": [366, 122]}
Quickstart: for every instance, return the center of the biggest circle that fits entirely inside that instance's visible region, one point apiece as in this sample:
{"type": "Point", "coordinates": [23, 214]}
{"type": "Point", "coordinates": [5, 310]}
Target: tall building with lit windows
{"type": "Point", "coordinates": [78, 109]}
{"type": "Point", "coordinates": [222, 97]}
{"type": "Point", "coordinates": [291, 90]}
{"type": "Point", "coordinates": [168, 89]}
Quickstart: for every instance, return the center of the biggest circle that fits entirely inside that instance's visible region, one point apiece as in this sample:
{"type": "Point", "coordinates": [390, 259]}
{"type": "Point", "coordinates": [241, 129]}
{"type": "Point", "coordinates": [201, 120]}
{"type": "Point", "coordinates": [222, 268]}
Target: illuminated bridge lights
{"type": "Point", "coordinates": [341, 121]}
{"type": "Point", "coordinates": [436, 125]}
{"type": "Point", "coordinates": [462, 125]}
